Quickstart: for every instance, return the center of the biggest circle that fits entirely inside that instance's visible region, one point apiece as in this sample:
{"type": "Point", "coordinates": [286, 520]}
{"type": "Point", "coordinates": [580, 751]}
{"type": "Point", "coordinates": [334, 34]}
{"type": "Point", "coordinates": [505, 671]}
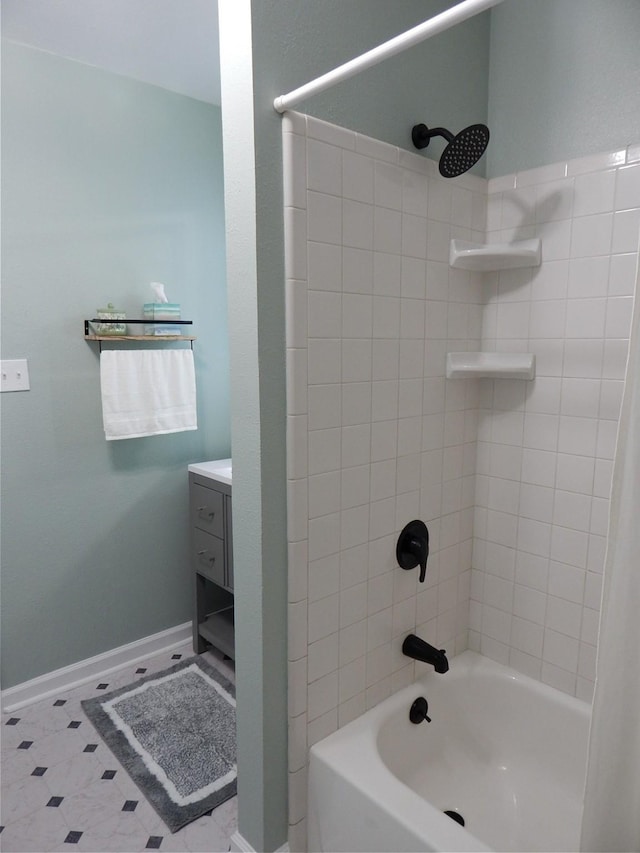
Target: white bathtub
{"type": "Point", "coordinates": [504, 751]}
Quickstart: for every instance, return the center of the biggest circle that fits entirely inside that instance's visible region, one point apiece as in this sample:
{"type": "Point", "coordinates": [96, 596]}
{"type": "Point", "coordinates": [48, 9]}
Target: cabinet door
{"type": "Point", "coordinates": [208, 556]}
{"type": "Point", "coordinates": [206, 510]}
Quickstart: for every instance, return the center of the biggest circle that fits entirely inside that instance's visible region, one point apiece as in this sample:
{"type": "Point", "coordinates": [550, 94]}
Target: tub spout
{"type": "Point", "coordinates": [414, 647]}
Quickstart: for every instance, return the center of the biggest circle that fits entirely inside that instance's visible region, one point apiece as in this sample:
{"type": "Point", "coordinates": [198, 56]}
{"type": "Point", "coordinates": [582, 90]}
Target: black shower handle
{"type": "Point", "coordinates": [413, 547]}
{"type": "Point", "coordinates": [420, 550]}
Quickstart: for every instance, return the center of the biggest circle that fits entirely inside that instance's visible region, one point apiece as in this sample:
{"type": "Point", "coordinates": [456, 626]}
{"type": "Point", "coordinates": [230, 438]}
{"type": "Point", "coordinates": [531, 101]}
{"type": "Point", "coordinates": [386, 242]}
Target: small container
{"type": "Point", "coordinates": [110, 313]}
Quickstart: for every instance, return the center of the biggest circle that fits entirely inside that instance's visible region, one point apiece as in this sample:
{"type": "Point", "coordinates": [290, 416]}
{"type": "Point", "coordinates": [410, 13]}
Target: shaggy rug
{"type": "Point", "coordinates": [174, 732]}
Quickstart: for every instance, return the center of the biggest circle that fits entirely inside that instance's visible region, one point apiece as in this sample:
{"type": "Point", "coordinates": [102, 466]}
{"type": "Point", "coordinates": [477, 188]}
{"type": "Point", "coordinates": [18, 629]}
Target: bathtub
{"type": "Point", "coordinates": [503, 751]}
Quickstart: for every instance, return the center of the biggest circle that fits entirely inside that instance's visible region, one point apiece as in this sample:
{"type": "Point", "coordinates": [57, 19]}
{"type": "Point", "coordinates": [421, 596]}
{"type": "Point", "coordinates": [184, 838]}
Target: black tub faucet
{"type": "Point", "coordinates": [414, 647]}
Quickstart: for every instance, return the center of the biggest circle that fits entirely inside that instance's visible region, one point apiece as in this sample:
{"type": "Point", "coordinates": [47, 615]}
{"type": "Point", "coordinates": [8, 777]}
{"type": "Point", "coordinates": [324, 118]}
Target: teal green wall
{"type": "Point", "coordinates": [443, 81]}
{"type": "Point", "coordinates": [258, 426]}
{"type": "Point", "coordinates": [564, 80]}
{"type": "Point", "coordinates": [107, 184]}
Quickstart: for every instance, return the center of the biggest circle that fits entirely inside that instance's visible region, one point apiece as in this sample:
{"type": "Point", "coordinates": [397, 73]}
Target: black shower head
{"type": "Point", "coordinates": [462, 151]}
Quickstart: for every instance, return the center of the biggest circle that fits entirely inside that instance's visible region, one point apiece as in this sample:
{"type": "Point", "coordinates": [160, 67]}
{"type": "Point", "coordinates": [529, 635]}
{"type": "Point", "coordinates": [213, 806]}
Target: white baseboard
{"type": "Point", "coordinates": [101, 665]}
{"type": "Point", "coordinates": [239, 844]}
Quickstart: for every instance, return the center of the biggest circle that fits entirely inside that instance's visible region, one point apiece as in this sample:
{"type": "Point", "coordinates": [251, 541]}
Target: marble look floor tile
{"type": "Point", "coordinates": [58, 746]}
{"type": "Point", "coordinates": [113, 834]}
{"type": "Point", "coordinates": [226, 816]}
{"type": "Point", "coordinates": [74, 774]}
{"type": "Point", "coordinates": [44, 718]}
{"type": "Point", "coordinates": [148, 817]}
{"type": "Point", "coordinates": [74, 697]}
{"type": "Point", "coordinates": [91, 805]}
{"type": "Point", "coordinates": [37, 832]}
{"type": "Point", "coordinates": [123, 782]}
{"type": "Point", "coordinates": [10, 736]}
{"type": "Point", "coordinates": [87, 808]}
{"type": "Point", "coordinates": [17, 764]}
{"type": "Point", "coordinates": [22, 798]}
{"type": "Point", "coordinates": [203, 834]}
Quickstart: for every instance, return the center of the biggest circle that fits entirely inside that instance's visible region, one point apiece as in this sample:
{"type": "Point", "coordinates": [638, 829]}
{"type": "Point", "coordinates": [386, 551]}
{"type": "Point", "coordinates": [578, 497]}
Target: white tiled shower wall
{"type": "Point", "coordinates": [377, 436]}
{"type": "Point", "coordinates": [546, 448]}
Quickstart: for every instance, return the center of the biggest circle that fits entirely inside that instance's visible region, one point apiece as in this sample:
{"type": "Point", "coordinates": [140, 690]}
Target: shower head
{"type": "Point", "coordinates": [462, 151]}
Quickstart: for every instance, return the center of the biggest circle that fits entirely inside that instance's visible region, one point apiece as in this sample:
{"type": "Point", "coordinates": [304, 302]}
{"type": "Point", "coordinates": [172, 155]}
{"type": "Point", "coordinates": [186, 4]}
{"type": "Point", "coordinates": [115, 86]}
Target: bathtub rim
{"type": "Point", "coordinates": [357, 740]}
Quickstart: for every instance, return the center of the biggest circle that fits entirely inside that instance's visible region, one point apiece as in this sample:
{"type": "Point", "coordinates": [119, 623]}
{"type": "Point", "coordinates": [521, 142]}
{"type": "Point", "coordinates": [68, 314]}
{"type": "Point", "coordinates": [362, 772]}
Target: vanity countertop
{"type": "Point", "coordinates": [217, 469]}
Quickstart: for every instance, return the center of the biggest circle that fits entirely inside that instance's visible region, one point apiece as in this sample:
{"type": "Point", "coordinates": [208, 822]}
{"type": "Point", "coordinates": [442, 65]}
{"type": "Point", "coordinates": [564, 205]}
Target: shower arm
{"type": "Point", "coordinates": [437, 24]}
{"type": "Point", "coordinates": [441, 131]}
{"type": "Point", "coordinates": [421, 134]}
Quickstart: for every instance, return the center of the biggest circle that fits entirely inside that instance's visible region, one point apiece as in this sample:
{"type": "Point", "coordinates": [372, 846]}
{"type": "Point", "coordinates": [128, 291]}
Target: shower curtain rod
{"type": "Point", "coordinates": [435, 25]}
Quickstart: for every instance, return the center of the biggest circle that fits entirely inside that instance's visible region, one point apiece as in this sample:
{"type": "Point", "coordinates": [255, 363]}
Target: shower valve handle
{"type": "Point", "coordinates": [418, 548]}
{"type": "Point", "coordinates": [413, 547]}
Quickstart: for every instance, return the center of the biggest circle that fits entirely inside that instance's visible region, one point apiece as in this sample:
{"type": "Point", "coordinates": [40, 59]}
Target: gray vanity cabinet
{"type": "Point", "coordinates": [212, 563]}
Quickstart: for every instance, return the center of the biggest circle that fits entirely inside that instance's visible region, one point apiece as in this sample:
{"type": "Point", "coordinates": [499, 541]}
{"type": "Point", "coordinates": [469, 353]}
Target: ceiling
{"type": "Point", "coordinates": [168, 43]}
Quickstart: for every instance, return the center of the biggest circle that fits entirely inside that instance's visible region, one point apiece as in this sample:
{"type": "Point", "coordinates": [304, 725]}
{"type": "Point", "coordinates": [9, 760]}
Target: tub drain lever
{"type": "Point", "coordinates": [418, 711]}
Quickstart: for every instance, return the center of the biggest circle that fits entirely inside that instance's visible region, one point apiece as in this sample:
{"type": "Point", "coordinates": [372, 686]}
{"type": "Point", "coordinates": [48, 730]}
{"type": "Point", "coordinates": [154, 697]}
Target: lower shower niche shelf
{"type": "Point", "coordinates": [495, 256]}
{"type": "Point", "coordinates": [491, 365]}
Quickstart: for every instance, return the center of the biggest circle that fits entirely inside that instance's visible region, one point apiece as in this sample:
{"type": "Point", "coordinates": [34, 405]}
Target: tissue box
{"type": "Point", "coordinates": [162, 311]}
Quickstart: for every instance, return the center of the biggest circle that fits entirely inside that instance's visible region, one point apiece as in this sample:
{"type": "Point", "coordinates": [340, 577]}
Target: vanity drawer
{"type": "Point", "coordinates": [206, 510]}
{"type": "Point", "coordinates": [208, 556]}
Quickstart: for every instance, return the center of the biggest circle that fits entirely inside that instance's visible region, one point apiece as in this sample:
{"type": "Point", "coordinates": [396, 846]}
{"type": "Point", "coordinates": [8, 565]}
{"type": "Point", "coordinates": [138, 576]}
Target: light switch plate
{"type": "Point", "coordinates": [14, 374]}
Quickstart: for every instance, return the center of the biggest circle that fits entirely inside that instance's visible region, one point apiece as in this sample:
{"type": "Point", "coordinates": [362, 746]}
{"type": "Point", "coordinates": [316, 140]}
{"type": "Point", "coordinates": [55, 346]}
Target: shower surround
{"type": "Point", "coordinates": [511, 477]}
{"type": "Point", "coordinates": [546, 448]}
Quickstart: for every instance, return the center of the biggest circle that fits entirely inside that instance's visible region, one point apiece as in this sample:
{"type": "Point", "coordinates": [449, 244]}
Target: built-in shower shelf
{"type": "Point", "coordinates": [492, 365]}
{"type": "Point", "coordinates": [484, 257]}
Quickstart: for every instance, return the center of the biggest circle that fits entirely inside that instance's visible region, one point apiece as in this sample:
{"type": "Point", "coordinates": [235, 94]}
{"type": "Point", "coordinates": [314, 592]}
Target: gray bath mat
{"type": "Point", "coordinates": [174, 732]}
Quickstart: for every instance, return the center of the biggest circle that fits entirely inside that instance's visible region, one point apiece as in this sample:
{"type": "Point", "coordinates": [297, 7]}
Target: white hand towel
{"type": "Point", "coordinates": [147, 392]}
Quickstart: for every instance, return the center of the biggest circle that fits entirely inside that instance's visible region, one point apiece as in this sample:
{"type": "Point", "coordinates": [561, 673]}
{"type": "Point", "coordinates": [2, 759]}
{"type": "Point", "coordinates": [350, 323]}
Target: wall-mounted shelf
{"type": "Point", "coordinates": [487, 257]}
{"type": "Point", "coordinates": [88, 336]}
{"type": "Point", "coordinates": [492, 365]}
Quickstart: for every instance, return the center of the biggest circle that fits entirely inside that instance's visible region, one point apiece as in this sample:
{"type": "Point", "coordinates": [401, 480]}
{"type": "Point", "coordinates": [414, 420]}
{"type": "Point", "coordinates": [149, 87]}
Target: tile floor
{"type": "Point", "coordinates": [62, 788]}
